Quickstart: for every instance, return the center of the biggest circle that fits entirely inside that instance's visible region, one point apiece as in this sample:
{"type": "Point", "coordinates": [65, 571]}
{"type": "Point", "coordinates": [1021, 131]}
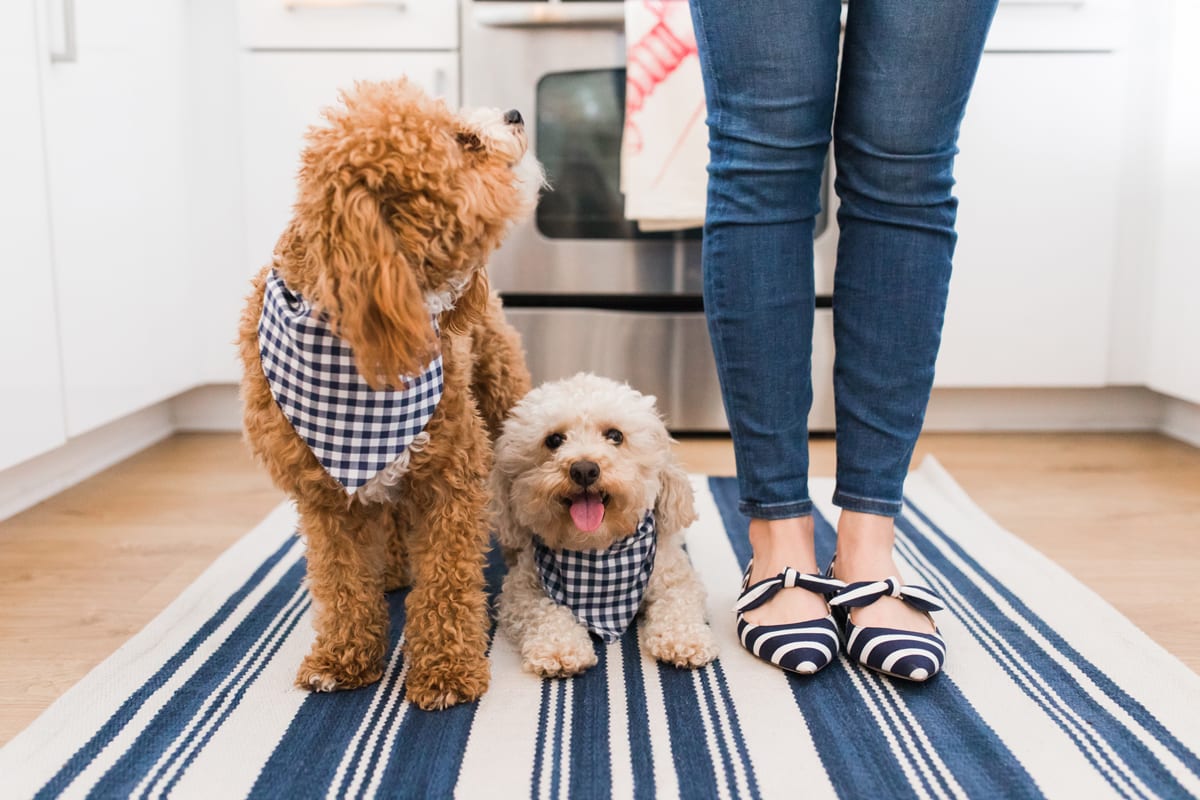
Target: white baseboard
{"type": "Point", "coordinates": [1111, 408]}
{"type": "Point", "coordinates": [31, 482]}
{"type": "Point", "coordinates": [212, 408]}
{"type": "Point", "coordinates": [1181, 420]}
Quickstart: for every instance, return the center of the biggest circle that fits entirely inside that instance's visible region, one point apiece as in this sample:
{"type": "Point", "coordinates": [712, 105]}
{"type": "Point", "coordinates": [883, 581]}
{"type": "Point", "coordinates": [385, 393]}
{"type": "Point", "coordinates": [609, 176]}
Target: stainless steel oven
{"type": "Point", "coordinates": [585, 287]}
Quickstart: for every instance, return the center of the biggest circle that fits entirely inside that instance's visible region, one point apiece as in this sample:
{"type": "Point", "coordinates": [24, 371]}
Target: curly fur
{"type": "Point", "coordinates": [400, 201]}
{"type": "Point", "coordinates": [529, 483]}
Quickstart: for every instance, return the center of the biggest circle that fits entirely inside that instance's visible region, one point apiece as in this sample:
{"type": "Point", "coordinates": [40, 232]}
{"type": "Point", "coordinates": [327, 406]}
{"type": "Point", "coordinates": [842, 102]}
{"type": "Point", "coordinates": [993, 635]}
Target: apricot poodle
{"type": "Point", "coordinates": [590, 507]}
{"type": "Point", "coordinates": [378, 366]}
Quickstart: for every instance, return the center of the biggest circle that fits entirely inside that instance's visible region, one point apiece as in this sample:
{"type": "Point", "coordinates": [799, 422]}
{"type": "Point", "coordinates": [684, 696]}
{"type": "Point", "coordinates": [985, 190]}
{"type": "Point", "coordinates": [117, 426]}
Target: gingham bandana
{"type": "Point", "coordinates": [602, 588]}
{"type": "Point", "coordinates": [352, 429]}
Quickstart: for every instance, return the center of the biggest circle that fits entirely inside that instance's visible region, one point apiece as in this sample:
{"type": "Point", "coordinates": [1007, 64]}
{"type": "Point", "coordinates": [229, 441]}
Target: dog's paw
{"type": "Point", "coordinates": [447, 683]}
{"type": "Point", "coordinates": [558, 658]}
{"type": "Point", "coordinates": [689, 645]}
{"type": "Point", "coordinates": [322, 672]}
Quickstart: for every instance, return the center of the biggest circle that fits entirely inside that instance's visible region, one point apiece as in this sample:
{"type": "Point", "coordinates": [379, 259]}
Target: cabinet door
{"type": "Point", "coordinates": [1037, 178]}
{"type": "Point", "coordinates": [30, 378]}
{"type": "Point", "coordinates": [283, 94]}
{"type": "Point", "coordinates": [115, 145]}
{"type": "Point", "coordinates": [1175, 318]}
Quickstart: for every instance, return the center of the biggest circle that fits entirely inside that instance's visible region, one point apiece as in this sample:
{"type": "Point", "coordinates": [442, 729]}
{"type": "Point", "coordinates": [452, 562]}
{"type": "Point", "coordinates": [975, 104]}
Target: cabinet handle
{"type": "Point", "coordinates": [439, 82]}
{"type": "Point", "coordinates": [69, 52]}
{"type": "Point", "coordinates": [310, 5]}
{"type": "Point", "coordinates": [551, 15]}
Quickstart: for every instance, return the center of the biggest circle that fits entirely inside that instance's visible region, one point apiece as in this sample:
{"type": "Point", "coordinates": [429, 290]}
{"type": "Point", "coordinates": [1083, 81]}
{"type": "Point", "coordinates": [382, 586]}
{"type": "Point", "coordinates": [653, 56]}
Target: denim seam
{"type": "Point", "coordinates": [868, 505]}
{"type": "Point", "coordinates": [798, 508]}
{"type": "Point", "coordinates": [863, 497]}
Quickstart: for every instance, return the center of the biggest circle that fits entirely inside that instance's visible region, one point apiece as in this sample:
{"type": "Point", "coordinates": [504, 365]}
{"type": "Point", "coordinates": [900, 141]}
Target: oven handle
{"type": "Point", "coordinates": [551, 15]}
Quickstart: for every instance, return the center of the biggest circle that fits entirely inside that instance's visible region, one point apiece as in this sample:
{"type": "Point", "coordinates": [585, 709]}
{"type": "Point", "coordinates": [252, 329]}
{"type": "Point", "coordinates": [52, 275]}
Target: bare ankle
{"type": "Point", "coordinates": [779, 543]}
{"type": "Point", "coordinates": [865, 541]}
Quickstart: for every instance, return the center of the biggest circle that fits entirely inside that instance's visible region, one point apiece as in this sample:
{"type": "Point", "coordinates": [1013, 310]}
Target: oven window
{"type": "Point", "coordinates": [580, 117]}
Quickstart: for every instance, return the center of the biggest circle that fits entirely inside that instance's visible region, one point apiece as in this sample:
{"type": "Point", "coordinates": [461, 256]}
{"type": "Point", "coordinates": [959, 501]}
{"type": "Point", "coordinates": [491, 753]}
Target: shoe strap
{"type": "Point", "coordinates": [863, 593]}
{"type": "Point", "coordinates": [760, 593]}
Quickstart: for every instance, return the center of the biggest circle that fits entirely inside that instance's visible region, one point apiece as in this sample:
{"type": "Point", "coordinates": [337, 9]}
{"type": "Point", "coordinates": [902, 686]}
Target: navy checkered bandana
{"type": "Point", "coordinates": [602, 588]}
{"type": "Point", "coordinates": [352, 429]}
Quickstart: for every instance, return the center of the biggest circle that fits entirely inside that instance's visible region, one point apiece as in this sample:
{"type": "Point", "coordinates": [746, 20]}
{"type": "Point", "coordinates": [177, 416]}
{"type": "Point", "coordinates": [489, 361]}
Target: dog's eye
{"type": "Point", "coordinates": [614, 436]}
{"type": "Point", "coordinates": [555, 440]}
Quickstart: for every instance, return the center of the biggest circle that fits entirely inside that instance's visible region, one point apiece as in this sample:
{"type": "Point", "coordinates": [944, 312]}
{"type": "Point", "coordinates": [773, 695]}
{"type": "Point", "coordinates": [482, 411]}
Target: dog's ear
{"type": "Point", "coordinates": [470, 306]}
{"type": "Point", "coordinates": [366, 282]}
{"type": "Point", "coordinates": [509, 532]}
{"type": "Point", "coordinates": [675, 507]}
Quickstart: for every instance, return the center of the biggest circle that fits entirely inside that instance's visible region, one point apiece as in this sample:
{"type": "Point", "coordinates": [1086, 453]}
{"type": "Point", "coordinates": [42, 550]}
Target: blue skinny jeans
{"type": "Point", "coordinates": [771, 80]}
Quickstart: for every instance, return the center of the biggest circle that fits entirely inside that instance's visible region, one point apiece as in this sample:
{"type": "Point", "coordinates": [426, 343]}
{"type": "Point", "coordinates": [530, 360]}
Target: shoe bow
{"type": "Point", "coordinates": [863, 593]}
{"type": "Point", "coordinates": [761, 592]}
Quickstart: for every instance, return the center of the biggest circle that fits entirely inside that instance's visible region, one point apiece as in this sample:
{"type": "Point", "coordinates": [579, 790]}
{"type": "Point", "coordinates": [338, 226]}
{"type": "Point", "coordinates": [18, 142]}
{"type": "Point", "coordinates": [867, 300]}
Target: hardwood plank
{"type": "Point", "coordinates": [85, 570]}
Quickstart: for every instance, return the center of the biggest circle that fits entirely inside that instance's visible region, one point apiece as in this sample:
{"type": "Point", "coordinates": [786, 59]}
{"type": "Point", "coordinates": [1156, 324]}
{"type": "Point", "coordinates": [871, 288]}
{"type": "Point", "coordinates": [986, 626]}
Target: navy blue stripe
{"type": "Point", "coordinates": [591, 757]}
{"type": "Point", "coordinates": [117, 722]}
{"type": "Point", "coordinates": [385, 690]}
{"type": "Point", "coordinates": [270, 641]}
{"type": "Point", "coordinates": [641, 751]}
{"type": "Point", "coordinates": [973, 752]}
{"type": "Point", "coordinates": [539, 749]}
{"type": "Point", "coordinates": [710, 703]}
{"type": "Point", "coordinates": [1102, 681]}
{"type": "Point", "coordinates": [386, 721]}
{"type": "Point", "coordinates": [427, 767]}
{"type": "Point", "coordinates": [290, 625]}
{"type": "Point", "coordinates": [736, 726]}
{"type": "Point", "coordinates": [185, 703]}
{"type": "Point", "coordinates": [1015, 673]}
{"type": "Point", "coordinates": [307, 756]}
{"type": "Point", "coordinates": [832, 706]}
{"type": "Point", "coordinates": [694, 766]}
{"type": "Point", "coordinates": [906, 737]}
{"type": "Point", "coordinates": [426, 757]}
{"type": "Point", "coordinates": [1037, 665]}
{"type": "Point", "coordinates": [560, 706]}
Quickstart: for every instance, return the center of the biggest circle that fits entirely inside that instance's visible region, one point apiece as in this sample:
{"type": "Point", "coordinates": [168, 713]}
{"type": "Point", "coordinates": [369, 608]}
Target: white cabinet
{"type": "Point", "coordinates": [31, 406]}
{"type": "Point", "coordinates": [342, 25]}
{"type": "Point", "coordinates": [1175, 306]}
{"type": "Point", "coordinates": [1037, 178]}
{"type": "Point", "coordinates": [115, 138]}
{"type": "Point", "coordinates": [283, 94]}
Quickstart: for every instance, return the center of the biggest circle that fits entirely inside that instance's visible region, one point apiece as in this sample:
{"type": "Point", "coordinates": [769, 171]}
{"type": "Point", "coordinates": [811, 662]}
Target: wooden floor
{"type": "Point", "coordinates": [84, 571]}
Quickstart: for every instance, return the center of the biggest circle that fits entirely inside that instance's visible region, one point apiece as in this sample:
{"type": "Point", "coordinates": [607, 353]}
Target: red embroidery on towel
{"type": "Point", "coordinates": [653, 58]}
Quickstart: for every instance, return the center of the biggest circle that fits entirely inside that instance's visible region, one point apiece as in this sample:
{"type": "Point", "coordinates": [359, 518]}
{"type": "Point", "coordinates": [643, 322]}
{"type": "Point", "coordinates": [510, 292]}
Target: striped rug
{"type": "Point", "coordinates": [1048, 692]}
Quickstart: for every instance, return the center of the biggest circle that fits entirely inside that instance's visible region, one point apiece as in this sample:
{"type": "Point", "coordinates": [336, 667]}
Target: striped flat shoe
{"type": "Point", "coordinates": [903, 654]}
{"type": "Point", "coordinates": [801, 647]}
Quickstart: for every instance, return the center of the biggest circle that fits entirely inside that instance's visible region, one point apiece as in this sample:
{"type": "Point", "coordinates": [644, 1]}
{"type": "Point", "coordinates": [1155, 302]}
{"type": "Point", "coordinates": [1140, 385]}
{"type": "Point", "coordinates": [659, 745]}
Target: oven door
{"type": "Point", "coordinates": [562, 65]}
{"type": "Point", "coordinates": [587, 289]}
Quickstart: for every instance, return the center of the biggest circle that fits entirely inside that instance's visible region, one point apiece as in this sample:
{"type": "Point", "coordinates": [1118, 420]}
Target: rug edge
{"type": "Point", "coordinates": [52, 726]}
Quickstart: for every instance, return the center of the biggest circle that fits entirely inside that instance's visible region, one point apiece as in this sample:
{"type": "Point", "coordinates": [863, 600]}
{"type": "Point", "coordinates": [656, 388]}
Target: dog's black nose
{"type": "Point", "coordinates": [585, 473]}
{"type": "Point", "coordinates": [513, 117]}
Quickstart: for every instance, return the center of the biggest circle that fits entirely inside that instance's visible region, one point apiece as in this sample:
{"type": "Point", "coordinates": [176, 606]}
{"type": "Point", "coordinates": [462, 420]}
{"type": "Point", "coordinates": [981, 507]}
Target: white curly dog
{"type": "Point", "coordinates": [590, 508]}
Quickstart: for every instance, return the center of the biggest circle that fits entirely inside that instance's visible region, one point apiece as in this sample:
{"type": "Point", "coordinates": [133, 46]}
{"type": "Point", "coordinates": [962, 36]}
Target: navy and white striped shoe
{"type": "Point", "coordinates": [801, 647]}
{"type": "Point", "coordinates": [903, 654]}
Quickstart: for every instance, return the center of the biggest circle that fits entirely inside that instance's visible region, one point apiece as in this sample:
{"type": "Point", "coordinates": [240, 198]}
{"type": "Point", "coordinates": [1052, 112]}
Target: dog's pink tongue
{"type": "Point", "coordinates": [588, 512]}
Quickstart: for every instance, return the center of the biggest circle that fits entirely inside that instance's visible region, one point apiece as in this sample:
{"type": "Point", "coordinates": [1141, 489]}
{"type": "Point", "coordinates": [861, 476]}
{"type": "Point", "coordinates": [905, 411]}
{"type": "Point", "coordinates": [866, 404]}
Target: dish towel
{"type": "Point", "coordinates": [664, 148]}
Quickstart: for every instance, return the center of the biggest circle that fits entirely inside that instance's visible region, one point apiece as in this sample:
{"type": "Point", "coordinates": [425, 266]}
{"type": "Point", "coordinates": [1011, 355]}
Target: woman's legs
{"type": "Point", "coordinates": [907, 70]}
{"type": "Point", "coordinates": [770, 70]}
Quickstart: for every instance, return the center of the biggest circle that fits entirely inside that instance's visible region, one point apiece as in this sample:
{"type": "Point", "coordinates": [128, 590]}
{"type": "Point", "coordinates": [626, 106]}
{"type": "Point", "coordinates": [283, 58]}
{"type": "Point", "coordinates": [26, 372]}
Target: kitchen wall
{"type": "Point", "coordinates": [1113, 297]}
